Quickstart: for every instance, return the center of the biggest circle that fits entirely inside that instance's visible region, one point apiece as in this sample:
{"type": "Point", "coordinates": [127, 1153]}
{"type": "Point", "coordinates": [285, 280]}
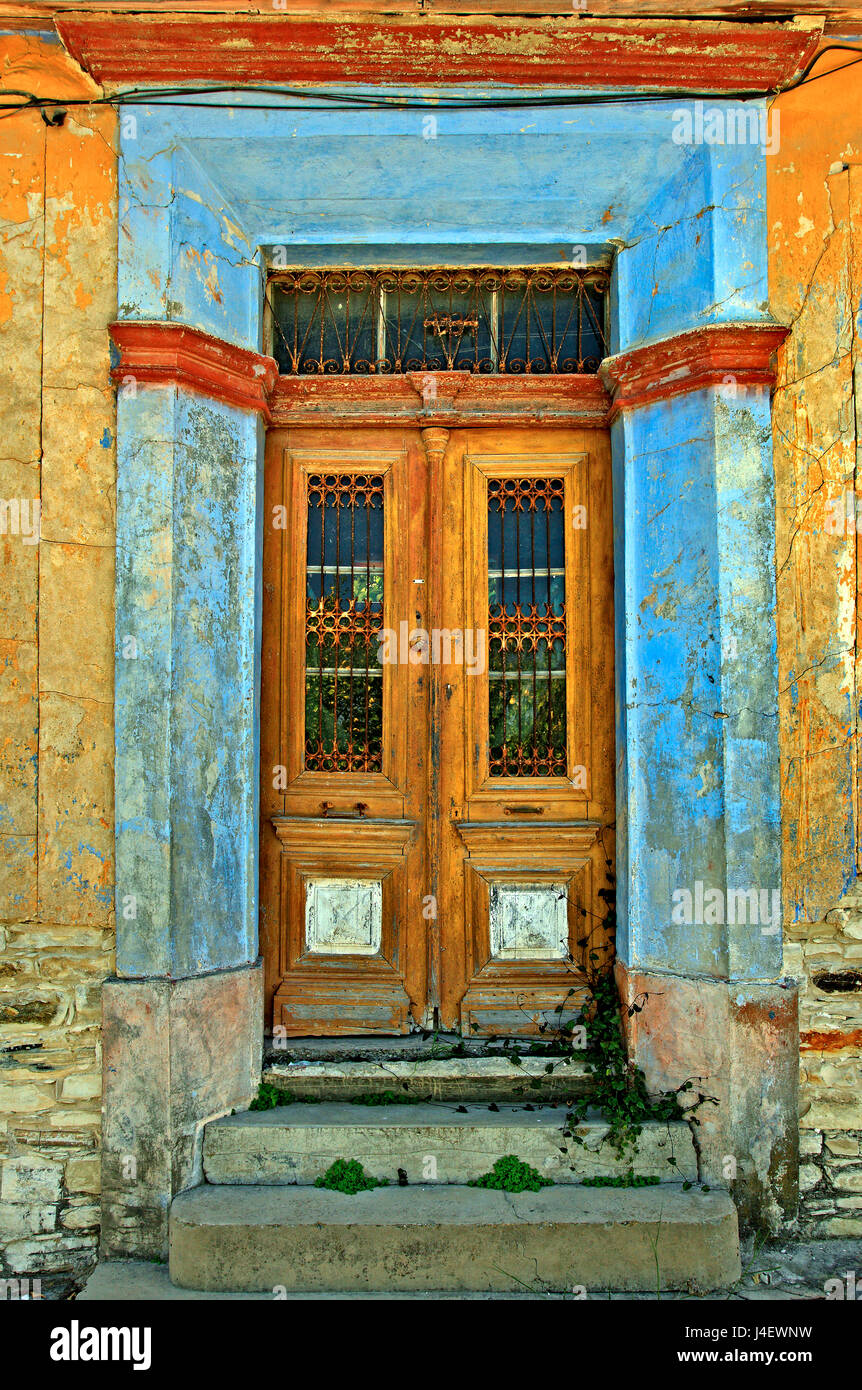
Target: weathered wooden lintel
{"type": "Point", "coordinates": [572, 51]}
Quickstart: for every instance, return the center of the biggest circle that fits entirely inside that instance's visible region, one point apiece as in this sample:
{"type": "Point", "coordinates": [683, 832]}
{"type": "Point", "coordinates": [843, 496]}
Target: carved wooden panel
{"type": "Point", "coordinates": [329, 984]}
{"type": "Point", "coordinates": [522, 993]}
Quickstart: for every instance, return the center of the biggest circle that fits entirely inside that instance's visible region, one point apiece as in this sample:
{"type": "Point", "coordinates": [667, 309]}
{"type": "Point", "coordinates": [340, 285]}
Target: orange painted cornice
{"type": "Point", "coordinates": [172, 354]}
{"type": "Point", "coordinates": [718, 354]}
{"type": "Point", "coordinates": [437, 50]}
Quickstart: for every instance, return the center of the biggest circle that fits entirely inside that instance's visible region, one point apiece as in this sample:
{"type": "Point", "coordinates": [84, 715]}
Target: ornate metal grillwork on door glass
{"type": "Point", "coordinates": [355, 322]}
{"type": "Point", "coordinates": [527, 627]}
{"type": "Point", "coordinates": [343, 618]}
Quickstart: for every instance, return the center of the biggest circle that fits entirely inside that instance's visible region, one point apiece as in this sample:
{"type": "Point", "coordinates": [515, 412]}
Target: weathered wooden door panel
{"type": "Point", "coordinates": [342, 733]}
{"type": "Point", "coordinates": [436, 741]}
{"type": "Point", "coordinates": [526, 744]}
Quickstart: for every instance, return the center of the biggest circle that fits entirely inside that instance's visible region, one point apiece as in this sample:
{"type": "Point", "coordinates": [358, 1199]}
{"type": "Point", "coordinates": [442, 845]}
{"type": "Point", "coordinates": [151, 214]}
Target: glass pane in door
{"type": "Point", "coordinates": [343, 619]}
{"type": "Point", "coordinates": [527, 627]}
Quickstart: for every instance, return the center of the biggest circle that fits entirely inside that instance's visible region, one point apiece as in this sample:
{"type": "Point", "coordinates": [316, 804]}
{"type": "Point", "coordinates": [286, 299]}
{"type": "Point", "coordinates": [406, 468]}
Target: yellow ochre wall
{"type": "Point", "coordinates": [58, 257]}
{"type": "Point", "coordinates": [814, 213]}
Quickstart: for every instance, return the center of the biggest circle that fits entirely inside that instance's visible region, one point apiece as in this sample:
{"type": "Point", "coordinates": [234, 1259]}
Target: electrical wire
{"type": "Point", "coordinates": [316, 99]}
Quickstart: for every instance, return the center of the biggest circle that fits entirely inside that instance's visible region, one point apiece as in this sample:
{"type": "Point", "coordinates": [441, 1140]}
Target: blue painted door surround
{"type": "Point", "coordinates": [205, 194]}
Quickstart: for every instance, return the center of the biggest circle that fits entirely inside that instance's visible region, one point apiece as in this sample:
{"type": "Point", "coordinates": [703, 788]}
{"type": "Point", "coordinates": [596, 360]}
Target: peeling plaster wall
{"type": "Point", "coordinates": [58, 238]}
{"type": "Point", "coordinates": [814, 206]}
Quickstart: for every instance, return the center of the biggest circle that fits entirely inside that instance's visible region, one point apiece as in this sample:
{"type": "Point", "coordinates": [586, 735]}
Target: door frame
{"type": "Point", "coordinates": [583, 853]}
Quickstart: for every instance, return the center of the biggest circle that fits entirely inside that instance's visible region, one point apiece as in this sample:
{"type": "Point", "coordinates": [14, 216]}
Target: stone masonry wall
{"type": "Point", "coordinates": [57, 418]}
{"type": "Point", "coordinates": [827, 958]}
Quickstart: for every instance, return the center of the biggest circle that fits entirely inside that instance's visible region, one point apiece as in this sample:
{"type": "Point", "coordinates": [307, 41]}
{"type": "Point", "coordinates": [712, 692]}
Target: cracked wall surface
{"type": "Point", "coordinates": [57, 293]}
{"type": "Point", "coordinates": [814, 206]}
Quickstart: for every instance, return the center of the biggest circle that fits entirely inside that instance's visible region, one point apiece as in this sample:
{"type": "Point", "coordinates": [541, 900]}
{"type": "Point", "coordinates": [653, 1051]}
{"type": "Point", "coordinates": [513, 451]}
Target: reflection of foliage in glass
{"type": "Point", "coordinates": [344, 615]}
{"type": "Point", "coordinates": [527, 627]}
{"type": "Point", "coordinates": [507, 660]}
{"type": "Point", "coordinates": [339, 723]}
{"type": "Point", "coordinates": [541, 731]}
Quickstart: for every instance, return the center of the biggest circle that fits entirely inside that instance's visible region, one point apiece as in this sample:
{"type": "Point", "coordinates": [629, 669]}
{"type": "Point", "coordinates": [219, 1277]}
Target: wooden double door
{"type": "Point", "coordinates": [437, 742]}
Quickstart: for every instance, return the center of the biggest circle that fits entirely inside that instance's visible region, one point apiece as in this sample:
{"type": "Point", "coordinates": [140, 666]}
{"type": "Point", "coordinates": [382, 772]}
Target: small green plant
{"type": "Point", "coordinates": [654, 1240]}
{"type": "Point", "coordinates": [511, 1174]}
{"type": "Point", "coordinates": [269, 1096]}
{"type": "Point", "coordinates": [619, 1089]}
{"type": "Point", "coordinates": [629, 1179]}
{"type": "Point", "coordinates": [348, 1175]}
{"type": "Point", "coordinates": [749, 1268]}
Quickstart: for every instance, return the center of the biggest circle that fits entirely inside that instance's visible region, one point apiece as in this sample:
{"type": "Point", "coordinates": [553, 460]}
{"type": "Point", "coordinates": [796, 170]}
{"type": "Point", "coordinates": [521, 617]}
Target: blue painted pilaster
{"type": "Point", "coordinates": [697, 683]}
{"type": "Point", "coordinates": [187, 628]}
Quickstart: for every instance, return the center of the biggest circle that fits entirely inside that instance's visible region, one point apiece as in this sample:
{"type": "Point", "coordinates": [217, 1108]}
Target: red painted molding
{"type": "Point", "coordinates": [172, 354]}
{"type": "Point", "coordinates": [440, 398]}
{"type": "Point", "coordinates": [22, 13]}
{"type": "Point", "coordinates": [646, 55]}
{"type": "Point", "coordinates": [737, 353]}
{"type": "Point", "coordinates": [831, 1041]}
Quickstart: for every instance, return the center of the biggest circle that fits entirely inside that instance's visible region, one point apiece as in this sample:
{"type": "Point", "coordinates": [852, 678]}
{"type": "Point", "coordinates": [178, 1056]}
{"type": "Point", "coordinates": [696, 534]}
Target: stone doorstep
{"type": "Point", "coordinates": [297, 1143]}
{"type": "Point", "coordinates": [449, 1237]}
{"type": "Point", "coordinates": [457, 1078]}
{"type": "Point", "coordinates": [790, 1269]}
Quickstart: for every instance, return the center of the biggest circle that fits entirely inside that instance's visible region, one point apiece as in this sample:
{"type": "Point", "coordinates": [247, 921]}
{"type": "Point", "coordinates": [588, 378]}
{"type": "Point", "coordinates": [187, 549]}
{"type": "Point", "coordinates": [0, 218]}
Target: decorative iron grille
{"type": "Point", "coordinates": [343, 618]}
{"type": "Point", "coordinates": [358, 322]}
{"type": "Point", "coordinates": [527, 627]}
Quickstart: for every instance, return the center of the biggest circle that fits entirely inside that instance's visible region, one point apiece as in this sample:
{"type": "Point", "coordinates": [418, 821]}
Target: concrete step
{"type": "Point", "coordinates": [454, 1078]}
{"type": "Point", "coordinates": [437, 1142]}
{"type": "Point", "coordinates": [443, 1238]}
